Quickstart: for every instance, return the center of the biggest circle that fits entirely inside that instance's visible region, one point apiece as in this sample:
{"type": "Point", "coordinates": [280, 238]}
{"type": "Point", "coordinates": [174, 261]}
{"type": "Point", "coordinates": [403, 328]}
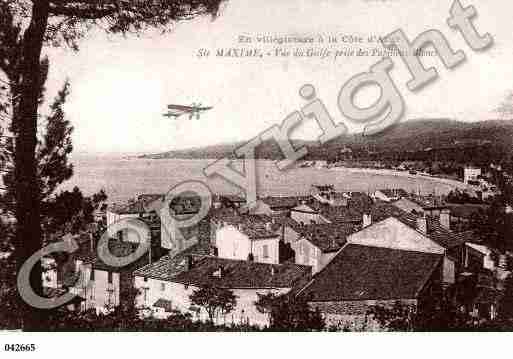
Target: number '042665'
{"type": "Point", "coordinates": [19, 347]}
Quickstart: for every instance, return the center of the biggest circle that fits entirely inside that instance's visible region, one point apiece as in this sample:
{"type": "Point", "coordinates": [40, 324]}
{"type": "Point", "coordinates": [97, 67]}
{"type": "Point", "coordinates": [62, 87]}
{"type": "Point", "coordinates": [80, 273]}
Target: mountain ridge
{"type": "Point", "coordinates": [411, 135]}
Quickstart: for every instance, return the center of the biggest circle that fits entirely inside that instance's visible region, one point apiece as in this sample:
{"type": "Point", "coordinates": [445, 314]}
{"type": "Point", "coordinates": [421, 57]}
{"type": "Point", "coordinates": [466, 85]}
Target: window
{"type": "Point", "coordinates": [109, 278]}
{"type": "Point", "coordinates": [92, 274]}
{"type": "Point", "coordinates": [145, 295]}
{"type": "Point", "coordinates": [162, 287]}
{"type": "Point", "coordinates": [265, 250]}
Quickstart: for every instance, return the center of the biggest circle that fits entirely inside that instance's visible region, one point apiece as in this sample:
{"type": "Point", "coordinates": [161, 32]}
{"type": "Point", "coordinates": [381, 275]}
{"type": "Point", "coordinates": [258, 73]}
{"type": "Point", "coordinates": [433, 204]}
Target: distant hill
{"type": "Point", "coordinates": [408, 136]}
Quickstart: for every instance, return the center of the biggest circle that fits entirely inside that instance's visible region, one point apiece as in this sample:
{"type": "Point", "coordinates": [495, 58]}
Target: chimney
{"type": "Point", "coordinates": [367, 220]}
{"type": "Point", "coordinates": [189, 262]}
{"type": "Point", "coordinates": [91, 241]}
{"type": "Point", "coordinates": [219, 272]}
{"type": "Point", "coordinates": [213, 251]}
{"type": "Point", "coordinates": [445, 218]}
{"type": "Point", "coordinates": [422, 224]}
{"type": "Point", "coordinates": [67, 238]}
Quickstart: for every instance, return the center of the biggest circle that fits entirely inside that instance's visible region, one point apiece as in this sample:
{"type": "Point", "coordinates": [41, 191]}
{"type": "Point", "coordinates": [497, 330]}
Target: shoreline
{"type": "Point", "coordinates": [404, 174]}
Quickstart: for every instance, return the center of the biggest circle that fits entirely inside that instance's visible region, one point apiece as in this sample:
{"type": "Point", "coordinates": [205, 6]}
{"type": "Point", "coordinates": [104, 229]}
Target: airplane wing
{"type": "Point", "coordinates": [169, 114]}
{"type": "Point", "coordinates": [204, 108]}
{"type": "Point", "coordinates": [181, 108]}
{"type": "Point", "coordinates": [187, 109]}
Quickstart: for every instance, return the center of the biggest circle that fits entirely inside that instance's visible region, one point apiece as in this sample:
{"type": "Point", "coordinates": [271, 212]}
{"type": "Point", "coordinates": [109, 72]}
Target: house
{"type": "Point", "coordinates": [479, 296]}
{"type": "Point", "coordinates": [394, 233]}
{"type": "Point", "coordinates": [288, 229]}
{"type": "Point", "coordinates": [161, 287]}
{"type": "Point", "coordinates": [477, 257]}
{"type": "Point", "coordinates": [427, 208]}
{"type": "Point", "coordinates": [319, 243]}
{"type": "Point", "coordinates": [408, 205]}
{"type": "Point", "coordinates": [360, 277]}
{"type": "Point", "coordinates": [389, 195]}
{"type": "Point", "coordinates": [452, 242]}
{"type": "Point", "coordinates": [322, 190]}
{"type": "Point", "coordinates": [277, 205]}
{"type": "Point", "coordinates": [471, 175]}
{"type": "Point", "coordinates": [305, 214]}
{"type": "Point", "coordinates": [174, 236]}
{"type": "Point", "coordinates": [116, 213]}
{"type": "Point", "coordinates": [141, 208]}
{"type": "Point", "coordinates": [327, 194]}
{"type": "Point", "coordinates": [101, 285]}
{"type": "Point", "coordinates": [231, 200]}
{"type": "Point", "coordinates": [248, 236]}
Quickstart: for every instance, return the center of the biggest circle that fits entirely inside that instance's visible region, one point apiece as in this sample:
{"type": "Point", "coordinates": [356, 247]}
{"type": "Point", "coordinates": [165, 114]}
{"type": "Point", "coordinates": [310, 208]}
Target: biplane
{"type": "Point", "coordinates": [175, 111]}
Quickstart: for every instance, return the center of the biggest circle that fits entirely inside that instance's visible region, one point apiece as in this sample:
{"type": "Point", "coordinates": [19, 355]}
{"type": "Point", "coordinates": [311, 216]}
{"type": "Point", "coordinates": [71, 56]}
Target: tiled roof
{"type": "Point", "coordinates": [135, 207]}
{"type": "Point", "coordinates": [372, 273]}
{"type": "Point", "coordinates": [351, 212]}
{"type": "Point", "coordinates": [217, 214]}
{"type": "Point", "coordinates": [282, 202]}
{"type": "Point", "coordinates": [435, 231]}
{"type": "Point", "coordinates": [287, 221]}
{"type": "Point", "coordinates": [328, 237]}
{"type": "Point", "coordinates": [242, 274]}
{"type": "Point", "coordinates": [232, 198]}
{"type": "Point", "coordinates": [255, 226]}
{"type": "Point", "coordinates": [168, 267]}
{"type": "Point", "coordinates": [118, 249]}
{"type": "Point", "coordinates": [382, 210]}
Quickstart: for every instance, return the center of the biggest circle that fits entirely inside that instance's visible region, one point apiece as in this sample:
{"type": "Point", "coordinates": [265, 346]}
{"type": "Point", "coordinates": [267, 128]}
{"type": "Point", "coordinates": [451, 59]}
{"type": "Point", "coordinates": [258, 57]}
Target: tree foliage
{"type": "Point", "coordinates": [25, 27]}
{"type": "Point", "coordinates": [289, 313]}
{"type": "Point", "coordinates": [214, 300]}
{"type": "Point", "coordinates": [495, 225]}
{"type": "Point", "coordinates": [505, 310]}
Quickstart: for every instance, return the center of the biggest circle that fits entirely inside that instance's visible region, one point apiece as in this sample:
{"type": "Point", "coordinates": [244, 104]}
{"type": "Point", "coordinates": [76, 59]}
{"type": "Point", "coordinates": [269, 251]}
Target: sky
{"type": "Point", "coordinates": [121, 86]}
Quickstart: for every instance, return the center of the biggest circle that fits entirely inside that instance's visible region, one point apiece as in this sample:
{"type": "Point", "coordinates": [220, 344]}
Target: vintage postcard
{"type": "Point", "coordinates": [243, 166]}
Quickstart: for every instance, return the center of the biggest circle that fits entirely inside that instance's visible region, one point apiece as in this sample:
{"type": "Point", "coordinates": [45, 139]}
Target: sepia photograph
{"type": "Point", "coordinates": [203, 166]}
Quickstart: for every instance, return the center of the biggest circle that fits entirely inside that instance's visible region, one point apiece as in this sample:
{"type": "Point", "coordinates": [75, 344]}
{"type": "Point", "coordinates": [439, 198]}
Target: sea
{"type": "Point", "coordinates": [124, 177]}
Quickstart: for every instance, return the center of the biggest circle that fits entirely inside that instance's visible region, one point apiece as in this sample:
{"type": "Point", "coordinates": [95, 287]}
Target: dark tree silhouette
{"type": "Point", "coordinates": [57, 22]}
{"type": "Point", "coordinates": [289, 313]}
{"type": "Point", "coordinates": [214, 300]}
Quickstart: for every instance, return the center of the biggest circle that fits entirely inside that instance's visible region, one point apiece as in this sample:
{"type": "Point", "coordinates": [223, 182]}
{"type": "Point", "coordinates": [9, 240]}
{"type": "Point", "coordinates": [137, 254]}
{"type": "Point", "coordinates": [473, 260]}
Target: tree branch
{"type": "Point", "coordinates": [84, 13]}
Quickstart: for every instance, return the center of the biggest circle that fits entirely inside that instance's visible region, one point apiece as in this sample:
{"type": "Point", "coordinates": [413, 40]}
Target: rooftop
{"type": "Point", "coordinates": [168, 267]}
{"type": "Point", "coordinates": [328, 237]}
{"type": "Point", "coordinates": [118, 249]}
{"type": "Point", "coordinates": [234, 273]}
{"type": "Point", "coordinates": [135, 207]}
{"type": "Point", "coordinates": [394, 192]}
{"type": "Point", "coordinates": [372, 273]}
{"type": "Point", "coordinates": [283, 201]}
{"type": "Point", "coordinates": [435, 231]}
{"type": "Point", "coordinates": [255, 226]}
